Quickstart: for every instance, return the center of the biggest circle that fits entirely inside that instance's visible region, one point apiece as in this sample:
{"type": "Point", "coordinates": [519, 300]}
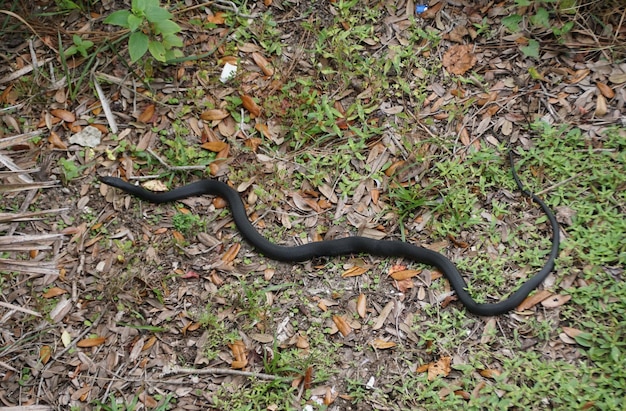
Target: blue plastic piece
{"type": "Point", "coordinates": [420, 8]}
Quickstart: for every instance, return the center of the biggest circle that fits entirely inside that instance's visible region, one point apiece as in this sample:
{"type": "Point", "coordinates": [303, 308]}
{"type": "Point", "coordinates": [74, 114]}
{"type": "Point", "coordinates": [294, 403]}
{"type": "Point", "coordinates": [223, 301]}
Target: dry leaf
{"type": "Point", "coordinates": [54, 292]}
{"type": "Point", "coordinates": [56, 141]}
{"type": "Point", "coordinates": [556, 300]}
{"type": "Point", "coordinates": [489, 331]}
{"type": "Point", "coordinates": [404, 285]}
{"type": "Point", "coordinates": [150, 343]}
{"type": "Point", "coordinates": [490, 373]}
{"type": "Point", "coordinates": [342, 325]}
{"type": "Point", "coordinates": [155, 185]}
{"type": "Point", "coordinates": [147, 400]}
{"type": "Point", "coordinates": [393, 167]}
{"type": "Point", "coordinates": [302, 342]}
{"type": "Point", "coordinates": [250, 105]}
{"type": "Point", "coordinates": [45, 352]}
{"type": "Point", "coordinates": [232, 252]}
{"type": "Point", "coordinates": [601, 106]}
{"type": "Point", "coordinates": [263, 64]}
{"type": "Point", "coordinates": [459, 59]}
{"type": "Point", "coordinates": [219, 203]}
{"type": "Point", "coordinates": [404, 274]}
{"type": "Point", "coordinates": [441, 367]}
{"type": "Point", "coordinates": [361, 305]}
{"type": "Point", "coordinates": [178, 236]}
{"type": "Point", "coordinates": [354, 272]}
{"type": "Point", "coordinates": [262, 338]}
{"type": "Point", "coordinates": [382, 317]}
{"type": "Point", "coordinates": [431, 11]}
{"type": "Point", "coordinates": [215, 146]}
{"type": "Point", "coordinates": [572, 332]}
{"type": "Point", "coordinates": [238, 350]}
{"type": "Point", "coordinates": [579, 75]}
{"type": "Point", "coordinates": [64, 115]}
{"type": "Point", "coordinates": [217, 18]}
{"type": "Point", "coordinates": [533, 300]}
{"type": "Point", "coordinates": [606, 90]}
{"type": "Point", "coordinates": [147, 114]}
{"type": "Point", "coordinates": [214, 114]}
{"type": "Point", "coordinates": [91, 342]}
{"type": "Point", "coordinates": [381, 344]}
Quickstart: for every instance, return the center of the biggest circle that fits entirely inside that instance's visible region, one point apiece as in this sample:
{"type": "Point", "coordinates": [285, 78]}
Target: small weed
{"type": "Point", "coordinates": [188, 223]}
{"type": "Point", "coordinates": [70, 170]}
{"type": "Point", "coordinates": [80, 46]}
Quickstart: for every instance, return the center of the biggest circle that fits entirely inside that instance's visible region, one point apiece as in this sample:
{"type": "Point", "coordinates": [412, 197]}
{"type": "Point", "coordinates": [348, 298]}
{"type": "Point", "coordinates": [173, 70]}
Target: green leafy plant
{"type": "Point", "coordinates": [187, 223]}
{"type": "Point", "coordinates": [80, 46]}
{"type": "Point", "coordinates": [152, 29]}
{"type": "Point", "coordinates": [70, 169]}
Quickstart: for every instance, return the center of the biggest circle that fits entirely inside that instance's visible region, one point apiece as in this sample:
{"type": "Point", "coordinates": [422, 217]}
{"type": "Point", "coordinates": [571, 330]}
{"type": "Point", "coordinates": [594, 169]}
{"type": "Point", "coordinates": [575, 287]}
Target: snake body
{"type": "Point", "coordinates": [353, 245]}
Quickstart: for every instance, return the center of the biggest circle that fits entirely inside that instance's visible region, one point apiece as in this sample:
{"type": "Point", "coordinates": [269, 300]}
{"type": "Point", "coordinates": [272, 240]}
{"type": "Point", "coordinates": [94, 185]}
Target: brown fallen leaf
{"type": "Point", "coordinates": [56, 141]}
{"type": "Point", "coordinates": [215, 146]}
{"type": "Point", "coordinates": [238, 349]}
{"type": "Point", "coordinates": [404, 285]}
{"type": "Point", "coordinates": [250, 105]}
{"type": "Point", "coordinates": [91, 342]}
{"type": "Point", "coordinates": [381, 344]}
{"type": "Point", "coordinates": [232, 252]}
{"type": "Point", "coordinates": [459, 59]}
{"type": "Point", "coordinates": [601, 106]}
{"type": "Point", "coordinates": [533, 300]}
{"type": "Point", "coordinates": [214, 114]}
{"type": "Point", "coordinates": [556, 300]}
{"type": "Point", "coordinates": [490, 373]}
{"type": "Point", "coordinates": [149, 343]}
{"type": "Point", "coordinates": [64, 115]}
{"type": "Point", "coordinates": [147, 114]}
{"type": "Point", "coordinates": [218, 18]}
{"type": "Point", "coordinates": [572, 332]}
{"type": "Point", "coordinates": [579, 75]}
{"type": "Point", "coordinates": [361, 305]}
{"type": "Point", "coordinates": [263, 64]}
{"type": "Point", "coordinates": [342, 325]}
{"type": "Point", "coordinates": [354, 272]}
{"type": "Point", "coordinates": [431, 11]}
{"type": "Point", "coordinates": [45, 352]}
{"type": "Point", "coordinates": [147, 400]}
{"type": "Point", "coordinates": [394, 167]}
{"type": "Point", "coordinates": [606, 90]}
{"type": "Point", "coordinates": [439, 368]}
{"type": "Point", "coordinates": [219, 203]}
{"type": "Point", "coordinates": [302, 342]}
{"type": "Point", "coordinates": [404, 274]}
{"type": "Point", "coordinates": [178, 236]}
{"type": "Point", "coordinates": [54, 292]}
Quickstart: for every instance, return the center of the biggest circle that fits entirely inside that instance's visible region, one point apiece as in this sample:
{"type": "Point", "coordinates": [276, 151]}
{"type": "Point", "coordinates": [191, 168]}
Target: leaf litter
{"type": "Point", "coordinates": [154, 323]}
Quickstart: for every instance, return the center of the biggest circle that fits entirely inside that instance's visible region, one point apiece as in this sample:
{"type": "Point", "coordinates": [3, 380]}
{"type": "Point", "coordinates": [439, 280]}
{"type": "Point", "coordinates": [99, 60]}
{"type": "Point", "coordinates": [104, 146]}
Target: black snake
{"type": "Point", "coordinates": [354, 245]}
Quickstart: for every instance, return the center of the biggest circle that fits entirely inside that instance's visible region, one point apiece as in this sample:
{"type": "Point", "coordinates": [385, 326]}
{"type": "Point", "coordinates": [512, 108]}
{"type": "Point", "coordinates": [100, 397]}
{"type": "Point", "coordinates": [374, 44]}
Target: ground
{"type": "Point", "coordinates": [343, 118]}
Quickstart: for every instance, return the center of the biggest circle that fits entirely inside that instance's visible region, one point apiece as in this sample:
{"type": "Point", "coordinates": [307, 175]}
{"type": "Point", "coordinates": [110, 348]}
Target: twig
{"type": "Point", "coordinates": [105, 105]}
{"type": "Point", "coordinates": [175, 369]}
{"type": "Point", "coordinates": [18, 308]}
{"type": "Point", "coordinates": [557, 185]}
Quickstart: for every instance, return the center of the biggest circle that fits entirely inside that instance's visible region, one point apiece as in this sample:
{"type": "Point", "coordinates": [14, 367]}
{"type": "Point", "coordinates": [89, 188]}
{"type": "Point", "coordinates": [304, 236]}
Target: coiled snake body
{"type": "Point", "coordinates": [354, 245]}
